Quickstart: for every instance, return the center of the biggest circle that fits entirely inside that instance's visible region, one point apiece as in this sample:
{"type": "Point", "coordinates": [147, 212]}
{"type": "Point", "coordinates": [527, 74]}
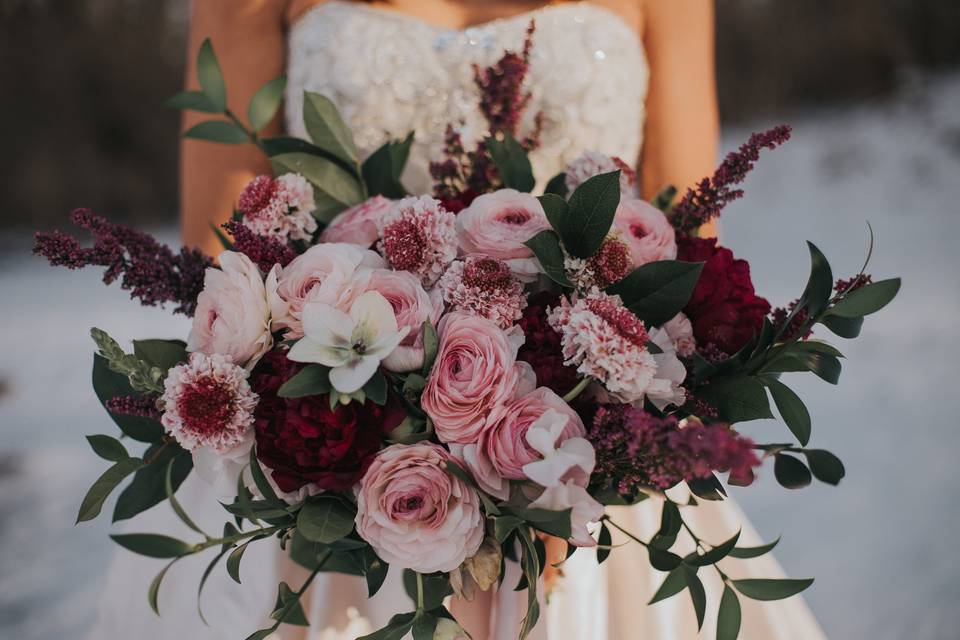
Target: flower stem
{"type": "Point", "coordinates": [573, 393]}
{"type": "Point", "coordinates": [419, 591]}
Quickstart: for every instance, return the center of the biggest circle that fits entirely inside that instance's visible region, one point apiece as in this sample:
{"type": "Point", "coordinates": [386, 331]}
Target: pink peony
{"type": "Point", "coordinates": [484, 286]}
{"type": "Point", "coordinates": [280, 208]}
{"type": "Point", "coordinates": [208, 403]}
{"type": "Point", "coordinates": [412, 306]}
{"type": "Point", "coordinates": [474, 376]}
{"type": "Point", "coordinates": [417, 234]}
{"type": "Point", "coordinates": [497, 224]}
{"type": "Point", "coordinates": [592, 163]}
{"type": "Point", "coordinates": [502, 449]}
{"type": "Point", "coordinates": [233, 315]}
{"type": "Point", "coordinates": [324, 273]}
{"type": "Point", "coordinates": [358, 225]}
{"type": "Point", "coordinates": [646, 231]}
{"type": "Point", "coordinates": [415, 513]}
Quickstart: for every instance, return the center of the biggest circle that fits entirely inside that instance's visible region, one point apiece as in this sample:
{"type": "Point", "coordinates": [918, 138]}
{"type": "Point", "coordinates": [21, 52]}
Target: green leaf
{"type": "Point", "coordinates": [174, 503]}
{"type": "Point", "coordinates": [530, 562]}
{"type": "Point", "coordinates": [329, 178]}
{"type": "Point", "coordinates": [109, 384]}
{"type": "Point", "coordinates": [556, 209]}
{"type": "Point", "coordinates": [260, 480]}
{"type": "Point", "coordinates": [728, 618]}
{"type": "Point", "coordinates": [163, 354]}
{"type": "Point", "coordinates": [753, 552]}
{"type": "Point", "coordinates": [153, 593]}
{"type": "Point", "coordinates": [233, 560]}
{"type": "Point", "coordinates": [383, 168]}
{"type": "Point", "coordinates": [546, 247]}
{"type": "Point", "coordinates": [673, 584]}
{"type": "Point", "coordinates": [206, 575]}
{"type": "Point", "coordinates": [657, 291]}
{"type": "Point", "coordinates": [431, 344]}
{"type": "Point", "coordinates": [147, 488]}
{"type": "Point", "coordinates": [867, 299]}
{"type": "Point", "coordinates": [709, 488]}
{"type": "Point", "coordinates": [222, 238]}
{"type": "Point", "coordinates": [771, 589]}
{"type": "Point", "coordinates": [819, 287]}
{"type": "Point", "coordinates": [790, 472]}
{"type": "Point", "coordinates": [327, 128]}
{"type": "Point", "coordinates": [814, 346]}
{"type": "Point", "coordinates": [503, 526]}
{"type": "Point", "coordinates": [376, 389]}
{"type": "Point", "coordinates": [436, 587]}
{"type": "Point", "coordinates": [697, 594]}
{"type": "Point", "coordinates": [557, 185]}
{"type": "Point", "coordinates": [424, 626]}
{"type": "Point", "coordinates": [604, 542]}
{"type": "Point", "coordinates": [664, 199]}
{"type": "Point", "coordinates": [108, 448]}
{"type": "Point", "coordinates": [738, 398]}
{"type": "Point", "coordinates": [312, 380]}
{"type": "Point", "coordinates": [265, 102]}
{"type": "Point", "coordinates": [153, 545]}
{"type": "Point", "coordinates": [512, 163]}
{"type": "Point", "coordinates": [791, 409]}
{"type": "Point", "coordinates": [592, 208]}
{"type": "Point", "coordinates": [97, 494]}
{"type": "Point", "coordinates": [288, 609]}
{"type": "Point", "coordinates": [210, 77]}
{"type": "Point", "coordinates": [663, 560]}
{"type": "Point", "coordinates": [556, 523]}
{"type": "Point", "coordinates": [325, 519]}
{"type": "Point", "coordinates": [192, 101]}
{"type": "Point", "coordinates": [279, 145]}
{"type": "Point", "coordinates": [844, 327]}
{"type": "Point", "coordinates": [398, 627]}
{"type": "Point", "coordinates": [716, 554]}
{"type": "Point", "coordinates": [374, 571]}
{"type": "Point", "coordinates": [217, 131]}
{"type": "Point", "coordinates": [827, 367]}
{"type": "Point", "coordinates": [825, 466]}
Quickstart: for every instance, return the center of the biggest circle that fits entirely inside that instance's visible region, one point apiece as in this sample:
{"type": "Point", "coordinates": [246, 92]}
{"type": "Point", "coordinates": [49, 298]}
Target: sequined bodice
{"type": "Point", "coordinates": [390, 74]}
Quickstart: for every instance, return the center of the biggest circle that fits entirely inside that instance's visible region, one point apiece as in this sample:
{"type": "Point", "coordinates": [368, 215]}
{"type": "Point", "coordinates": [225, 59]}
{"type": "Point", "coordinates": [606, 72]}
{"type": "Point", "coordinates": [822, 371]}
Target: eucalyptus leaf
{"type": "Point", "coordinates": [108, 448]}
{"type": "Point", "coordinates": [327, 129]}
{"type": "Point", "coordinates": [210, 76]}
{"type": "Point", "coordinates": [825, 466]}
{"type": "Point", "coordinates": [790, 472]}
{"type": "Point", "coordinates": [192, 101]}
{"type": "Point", "coordinates": [265, 102]}
{"type": "Point", "coordinates": [771, 589]}
{"type": "Point", "coordinates": [328, 177]}
{"type": "Point", "coordinates": [147, 488]}
{"type": "Point", "coordinates": [325, 519]}
{"type": "Point", "coordinates": [104, 485]}
{"type": "Point", "coordinates": [791, 409]}
{"type": "Point", "coordinates": [217, 131]}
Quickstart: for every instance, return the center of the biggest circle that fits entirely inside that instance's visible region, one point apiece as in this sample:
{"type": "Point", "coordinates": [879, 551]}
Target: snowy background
{"type": "Point", "coordinates": [880, 545]}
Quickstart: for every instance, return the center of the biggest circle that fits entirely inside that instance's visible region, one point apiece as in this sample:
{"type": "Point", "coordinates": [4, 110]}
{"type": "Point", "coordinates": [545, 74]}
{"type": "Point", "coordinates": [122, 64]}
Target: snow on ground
{"type": "Point", "coordinates": [880, 545]}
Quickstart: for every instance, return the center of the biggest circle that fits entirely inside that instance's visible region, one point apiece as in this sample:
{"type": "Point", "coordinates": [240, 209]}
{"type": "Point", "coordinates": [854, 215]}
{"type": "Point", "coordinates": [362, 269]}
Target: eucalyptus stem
{"type": "Point", "coordinates": [624, 531]}
{"type": "Point", "coordinates": [237, 538]}
{"type": "Point", "coordinates": [573, 393]}
{"type": "Point", "coordinates": [254, 138]}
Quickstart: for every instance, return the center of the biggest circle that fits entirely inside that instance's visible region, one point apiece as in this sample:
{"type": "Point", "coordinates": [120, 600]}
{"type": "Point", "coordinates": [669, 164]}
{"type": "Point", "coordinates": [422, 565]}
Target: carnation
{"type": "Point", "coordinates": [280, 208]}
{"type": "Point", "coordinates": [484, 286]}
{"type": "Point", "coordinates": [207, 402]}
{"type": "Point", "coordinates": [611, 263]}
{"type": "Point", "coordinates": [592, 163]}
{"type": "Point", "coordinates": [417, 234]}
{"type": "Point", "coordinates": [605, 341]}
{"type": "Point", "coordinates": [415, 513]}
{"type": "Point", "coordinates": [724, 309]}
{"type": "Point", "coordinates": [306, 445]}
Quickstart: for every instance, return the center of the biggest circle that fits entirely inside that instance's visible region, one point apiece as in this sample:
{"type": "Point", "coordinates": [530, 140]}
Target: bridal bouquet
{"type": "Point", "coordinates": [438, 384]}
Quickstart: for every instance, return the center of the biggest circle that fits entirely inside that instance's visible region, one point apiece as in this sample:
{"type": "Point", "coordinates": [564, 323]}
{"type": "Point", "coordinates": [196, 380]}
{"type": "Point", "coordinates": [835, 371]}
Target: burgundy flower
{"type": "Point", "coordinates": [304, 442]}
{"type": "Point", "coordinates": [542, 348]}
{"type": "Point", "coordinates": [724, 309]}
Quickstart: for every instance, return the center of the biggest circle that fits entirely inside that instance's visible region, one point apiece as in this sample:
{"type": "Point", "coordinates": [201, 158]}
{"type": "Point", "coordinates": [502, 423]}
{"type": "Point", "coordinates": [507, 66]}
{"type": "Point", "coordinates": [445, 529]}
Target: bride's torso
{"type": "Point", "coordinates": [391, 74]}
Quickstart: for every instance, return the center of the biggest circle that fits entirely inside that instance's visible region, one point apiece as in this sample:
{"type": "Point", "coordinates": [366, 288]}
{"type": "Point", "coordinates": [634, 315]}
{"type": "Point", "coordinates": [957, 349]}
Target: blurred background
{"type": "Point", "coordinates": [872, 88]}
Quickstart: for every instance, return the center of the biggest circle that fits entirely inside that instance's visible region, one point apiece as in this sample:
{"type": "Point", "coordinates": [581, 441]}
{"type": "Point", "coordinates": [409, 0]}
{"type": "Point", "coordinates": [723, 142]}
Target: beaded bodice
{"type": "Point", "coordinates": [390, 74]}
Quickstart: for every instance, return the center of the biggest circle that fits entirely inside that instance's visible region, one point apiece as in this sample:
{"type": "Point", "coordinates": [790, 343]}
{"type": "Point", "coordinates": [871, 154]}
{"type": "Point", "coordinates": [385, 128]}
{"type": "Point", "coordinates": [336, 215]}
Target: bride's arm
{"type": "Point", "coordinates": [248, 38]}
{"type": "Point", "coordinates": [682, 126]}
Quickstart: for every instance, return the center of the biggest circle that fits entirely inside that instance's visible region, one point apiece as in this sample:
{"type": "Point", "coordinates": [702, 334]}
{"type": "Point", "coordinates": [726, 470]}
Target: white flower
{"type": "Point", "coordinates": [351, 344]}
{"type": "Point", "coordinates": [573, 459]}
{"type": "Point", "coordinates": [664, 388]}
{"type": "Point", "coordinates": [583, 509]}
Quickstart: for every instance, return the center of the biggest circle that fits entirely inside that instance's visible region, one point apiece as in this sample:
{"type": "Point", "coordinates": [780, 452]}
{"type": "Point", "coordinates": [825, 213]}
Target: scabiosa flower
{"type": "Point", "coordinates": [635, 450]}
{"type": "Point", "coordinates": [208, 403]}
{"type": "Point", "coordinates": [606, 342]}
{"type": "Point", "coordinates": [418, 235]}
{"type": "Point", "coordinates": [483, 286]}
{"type": "Point", "coordinates": [611, 263]}
{"type": "Point", "coordinates": [279, 208]}
{"type": "Point", "coordinates": [592, 163]}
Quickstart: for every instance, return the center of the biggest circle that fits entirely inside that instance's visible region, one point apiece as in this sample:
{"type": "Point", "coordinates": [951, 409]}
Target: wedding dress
{"type": "Point", "coordinates": [390, 74]}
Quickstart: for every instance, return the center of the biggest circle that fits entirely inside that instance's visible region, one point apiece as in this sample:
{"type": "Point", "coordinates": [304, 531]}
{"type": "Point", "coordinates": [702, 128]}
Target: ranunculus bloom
{"type": "Point", "coordinates": [233, 316]}
{"type": "Point", "coordinates": [502, 449]}
{"type": "Point", "coordinates": [412, 306]}
{"type": "Point", "coordinates": [724, 309]}
{"type": "Point", "coordinates": [497, 224]}
{"type": "Point", "coordinates": [646, 231]}
{"type": "Point", "coordinates": [358, 225]}
{"type": "Point", "coordinates": [305, 445]}
{"type": "Point", "coordinates": [324, 273]}
{"type": "Point", "coordinates": [415, 513]}
{"type": "Point", "coordinates": [474, 376]}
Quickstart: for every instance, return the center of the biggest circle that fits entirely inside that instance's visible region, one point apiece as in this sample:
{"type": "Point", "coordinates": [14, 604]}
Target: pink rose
{"type": "Point", "coordinates": [233, 316]}
{"type": "Point", "coordinates": [415, 513]}
{"type": "Point", "coordinates": [358, 225]}
{"type": "Point", "coordinates": [324, 273]}
{"type": "Point", "coordinates": [646, 231]}
{"type": "Point", "coordinates": [412, 306]}
{"type": "Point", "coordinates": [497, 224]}
{"type": "Point", "coordinates": [503, 449]}
{"type": "Point", "coordinates": [474, 376]}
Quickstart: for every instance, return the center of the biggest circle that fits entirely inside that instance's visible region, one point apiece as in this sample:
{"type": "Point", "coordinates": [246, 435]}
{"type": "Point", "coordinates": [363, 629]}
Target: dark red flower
{"type": "Point", "coordinates": [724, 309]}
{"type": "Point", "coordinates": [541, 348]}
{"type": "Point", "coordinates": [304, 442]}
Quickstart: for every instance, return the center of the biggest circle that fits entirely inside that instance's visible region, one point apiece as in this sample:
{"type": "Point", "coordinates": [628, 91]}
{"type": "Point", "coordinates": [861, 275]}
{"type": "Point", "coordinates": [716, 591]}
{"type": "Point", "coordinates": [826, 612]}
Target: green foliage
{"type": "Point", "coordinates": [192, 101]}
{"type": "Point", "coordinates": [217, 131]}
{"type": "Point", "coordinates": [288, 609]}
{"type": "Point", "coordinates": [867, 299]}
{"type": "Point", "coordinates": [674, 583]}
{"type": "Point", "coordinates": [327, 129]}
{"type": "Point", "coordinates": [210, 77]}
{"type": "Point", "coordinates": [396, 629]}
{"type": "Point", "coordinates": [153, 545]}
{"type": "Point", "coordinates": [753, 552]}
{"type": "Point", "coordinates": [586, 220]}
{"type": "Point", "coordinates": [728, 618]}
{"type": "Point", "coordinates": [715, 554]}
{"type": "Point", "coordinates": [98, 493]}
{"type": "Point", "coordinates": [431, 344]}
{"type": "Point", "coordinates": [546, 247]}
{"type": "Point", "coordinates": [382, 169]}
{"type": "Point", "coordinates": [556, 523]}
{"type": "Point", "coordinates": [825, 466]}
{"type": "Point", "coordinates": [530, 563]}
{"type": "Point", "coordinates": [771, 589]}
{"type": "Point", "coordinates": [108, 448]}
{"type": "Point", "coordinates": [790, 472]}
{"type": "Point", "coordinates": [265, 103]}
{"type": "Point", "coordinates": [657, 291]}
{"type": "Point", "coordinates": [312, 380]}
{"type": "Point", "coordinates": [664, 199]}
{"type": "Point", "coordinates": [375, 389]}
{"type": "Point", "coordinates": [162, 354]}
{"type": "Point", "coordinates": [791, 409]}
{"type": "Point", "coordinates": [143, 377]}
{"type": "Point", "coordinates": [844, 327]}
{"type": "Point", "coordinates": [557, 185]}
{"type": "Point", "coordinates": [738, 398]}
{"type": "Point", "coordinates": [325, 518]}
{"type": "Point", "coordinates": [335, 188]}
{"type": "Point", "coordinates": [697, 594]}
{"type": "Point", "coordinates": [512, 162]}
{"type": "Point", "coordinates": [147, 488]}
{"type": "Point", "coordinates": [435, 587]}
{"type": "Point", "coordinates": [153, 593]}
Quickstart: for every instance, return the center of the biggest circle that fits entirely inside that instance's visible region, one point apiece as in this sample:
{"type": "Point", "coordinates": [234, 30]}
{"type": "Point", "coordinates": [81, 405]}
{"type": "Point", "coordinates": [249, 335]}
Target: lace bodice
{"type": "Point", "coordinates": [390, 74]}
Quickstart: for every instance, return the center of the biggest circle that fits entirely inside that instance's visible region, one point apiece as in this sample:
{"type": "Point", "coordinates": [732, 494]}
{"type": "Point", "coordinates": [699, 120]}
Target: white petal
{"type": "Point", "coordinates": [352, 376]}
{"type": "Point", "coordinates": [373, 316]}
{"type": "Point", "coordinates": [326, 325]}
{"type": "Point", "coordinates": [543, 432]}
{"type": "Point", "coordinates": [308, 350]}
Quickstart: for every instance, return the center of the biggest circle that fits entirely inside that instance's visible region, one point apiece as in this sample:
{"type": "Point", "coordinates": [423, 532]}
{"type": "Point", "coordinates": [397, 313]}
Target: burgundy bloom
{"type": "Point", "coordinates": [304, 442]}
{"type": "Point", "coordinates": [724, 309]}
{"type": "Point", "coordinates": [264, 251]}
{"type": "Point", "coordinates": [542, 347]}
